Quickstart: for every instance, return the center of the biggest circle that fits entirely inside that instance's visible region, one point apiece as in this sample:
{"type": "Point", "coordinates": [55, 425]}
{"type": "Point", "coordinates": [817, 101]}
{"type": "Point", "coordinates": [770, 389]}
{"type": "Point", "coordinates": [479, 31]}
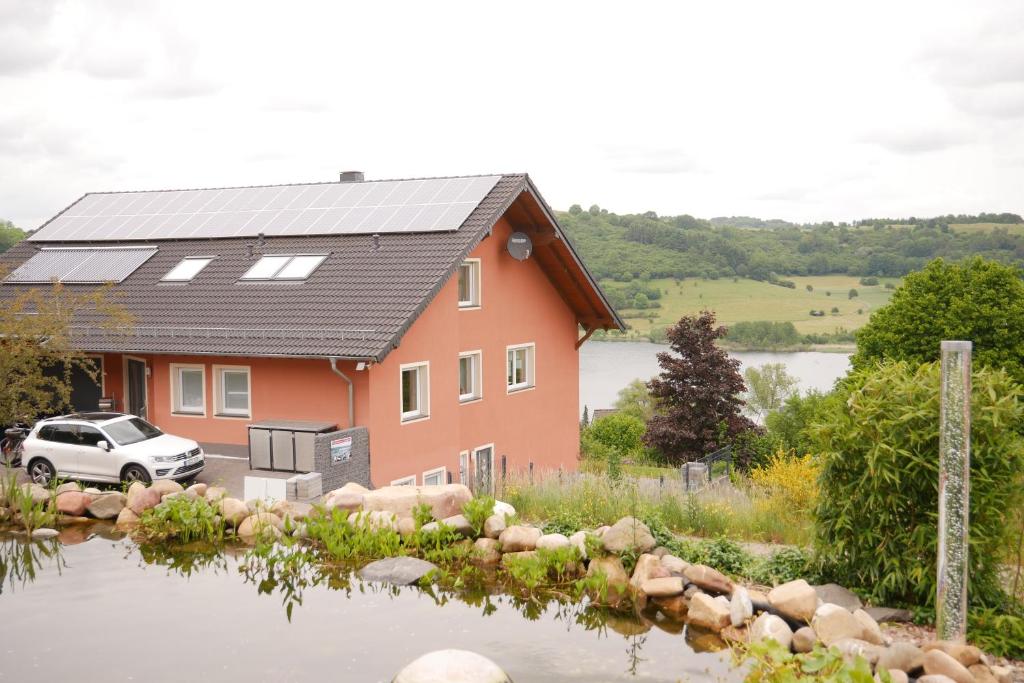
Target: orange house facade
{"type": "Point", "coordinates": [455, 344]}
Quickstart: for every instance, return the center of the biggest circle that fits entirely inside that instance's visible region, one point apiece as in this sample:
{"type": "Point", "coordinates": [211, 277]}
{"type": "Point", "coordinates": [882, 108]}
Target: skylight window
{"type": "Point", "coordinates": [187, 269]}
{"type": "Point", "coordinates": [284, 267]}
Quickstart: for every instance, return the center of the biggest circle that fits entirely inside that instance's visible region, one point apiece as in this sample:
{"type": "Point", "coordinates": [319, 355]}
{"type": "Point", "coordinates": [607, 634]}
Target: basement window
{"type": "Point", "coordinates": [284, 267]}
{"type": "Point", "coordinates": [187, 269]}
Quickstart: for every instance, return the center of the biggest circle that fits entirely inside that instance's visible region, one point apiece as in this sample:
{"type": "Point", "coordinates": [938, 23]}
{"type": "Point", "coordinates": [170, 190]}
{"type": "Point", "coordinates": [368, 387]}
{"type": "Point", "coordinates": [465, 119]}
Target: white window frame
{"type": "Point", "coordinates": [422, 411]}
{"type": "Point", "coordinates": [181, 280]}
{"type": "Point", "coordinates": [464, 467]}
{"type": "Point", "coordinates": [276, 275]}
{"type": "Point", "coordinates": [405, 481]}
{"type": "Point", "coordinates": [475, 284]}
{"type": "Point", "coordinates": [443, 471]}
{"type": "Point", "coordinates": [218, 392]}
{"type": "Point", "coordinates": [175, 373]}
{"type": "Point", "coordinates": [531, 367]}
{"type": "Point", "coordinates": [478, 376]}
{"type": "Point", "coordinates": [473, 464]}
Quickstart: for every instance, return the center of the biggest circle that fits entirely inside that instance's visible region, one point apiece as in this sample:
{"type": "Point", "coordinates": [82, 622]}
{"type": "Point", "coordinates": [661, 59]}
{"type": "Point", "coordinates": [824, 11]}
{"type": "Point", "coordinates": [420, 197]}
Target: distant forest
{"type": "Point", "coordinates": [642, 246]}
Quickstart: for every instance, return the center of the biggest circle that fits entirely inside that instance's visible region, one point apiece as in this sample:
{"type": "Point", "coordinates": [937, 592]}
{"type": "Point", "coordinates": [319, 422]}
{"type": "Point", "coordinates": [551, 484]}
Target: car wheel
{"type": "Point", "coordinates": [41, 472]}
{"type": "Point", "coordinates": [134, 473]}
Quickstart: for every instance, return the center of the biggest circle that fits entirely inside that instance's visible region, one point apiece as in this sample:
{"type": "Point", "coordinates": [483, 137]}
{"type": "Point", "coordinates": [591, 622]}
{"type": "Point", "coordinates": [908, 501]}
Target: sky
{"type": "Point", "coordinates": [805, 111]}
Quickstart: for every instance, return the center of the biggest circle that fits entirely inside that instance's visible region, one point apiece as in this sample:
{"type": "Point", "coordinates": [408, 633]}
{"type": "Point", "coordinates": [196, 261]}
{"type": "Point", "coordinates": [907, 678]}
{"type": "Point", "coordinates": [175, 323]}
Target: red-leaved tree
{"type": "Point", "coordinates": [698, 391]}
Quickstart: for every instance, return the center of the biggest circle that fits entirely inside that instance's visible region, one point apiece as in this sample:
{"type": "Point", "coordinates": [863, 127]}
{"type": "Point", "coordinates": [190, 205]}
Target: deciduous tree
{"type": "Point", "coordinates": [698, 390]}
{"type": "Point", "coordinates": [768, 387]}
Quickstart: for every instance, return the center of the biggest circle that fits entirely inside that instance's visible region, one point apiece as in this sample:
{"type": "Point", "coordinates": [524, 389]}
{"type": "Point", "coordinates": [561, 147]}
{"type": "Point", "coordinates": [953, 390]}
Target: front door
{"type": "Point", "coordinates": [135, 387]}
{"type": "Point", "coordinates": [485, 470]}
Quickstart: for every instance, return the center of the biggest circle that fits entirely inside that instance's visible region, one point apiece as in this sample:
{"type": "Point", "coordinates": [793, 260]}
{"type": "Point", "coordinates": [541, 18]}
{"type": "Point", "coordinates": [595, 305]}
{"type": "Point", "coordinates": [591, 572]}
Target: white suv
{"type": "Point", "coordinates": [107, 447]}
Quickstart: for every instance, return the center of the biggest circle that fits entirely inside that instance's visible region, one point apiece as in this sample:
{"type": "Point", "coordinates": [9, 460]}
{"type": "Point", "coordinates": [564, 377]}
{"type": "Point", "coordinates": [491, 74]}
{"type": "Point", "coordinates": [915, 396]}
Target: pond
{"type": "Point", "coordinates": [106, 608]}
{"type": "Point", "coordinates": [606, 367]}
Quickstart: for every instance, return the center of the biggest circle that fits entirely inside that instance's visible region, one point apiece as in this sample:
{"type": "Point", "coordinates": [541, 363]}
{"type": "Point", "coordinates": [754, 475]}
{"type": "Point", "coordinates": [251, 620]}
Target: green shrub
{"type": "Point", "coordinates": [877, 511]}
{"type": "Point", "coordinates": [769, 662]}
{"type": "Point", "coordinates": [182, 519]}
{"type": "Point", "coordinates": [476, 511]}
{"type": "Point", "coordinates": [788, 564]}
{"type": "Point", "coordinates": [998, 634]}
{"type": "Point", "coordinates": [621, 432]}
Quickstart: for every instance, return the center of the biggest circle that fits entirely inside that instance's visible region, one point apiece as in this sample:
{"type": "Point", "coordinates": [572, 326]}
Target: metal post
{"type": "Point", "coordinates": [531, 471]}
{"type": "Point", "coordinates": [954, 490]}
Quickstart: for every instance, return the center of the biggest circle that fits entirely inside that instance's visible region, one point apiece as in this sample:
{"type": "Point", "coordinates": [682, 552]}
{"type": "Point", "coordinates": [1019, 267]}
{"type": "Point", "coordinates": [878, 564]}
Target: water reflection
{"type": "Point", "coordinates": [21, 560]}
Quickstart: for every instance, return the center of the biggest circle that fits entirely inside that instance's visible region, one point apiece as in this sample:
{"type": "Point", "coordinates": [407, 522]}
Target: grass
{"type": "Point", "coordinates": [743, 512]}
{"type": "Point", "coordinates": [748, 300]}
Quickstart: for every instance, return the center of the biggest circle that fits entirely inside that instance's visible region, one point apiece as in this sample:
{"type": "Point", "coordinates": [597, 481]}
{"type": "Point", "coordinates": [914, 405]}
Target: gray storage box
{"type": "Point", "coordinates": [284, 445]}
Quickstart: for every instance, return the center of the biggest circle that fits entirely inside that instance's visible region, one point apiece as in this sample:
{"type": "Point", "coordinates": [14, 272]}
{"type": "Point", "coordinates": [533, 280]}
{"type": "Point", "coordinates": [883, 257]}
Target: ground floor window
{"type": "Point", "coordinates": [483, 461]}
{"type": "Point", "coordinates": [232, 386]}
{"type": "Point", "coordinates": [415, 391]}
{"type": "Point", "coordinates": [405, 481]}
{"type": "Point", "coordinates": [435, 477]}
{"type": "Point", "coordinates": [188, 389]}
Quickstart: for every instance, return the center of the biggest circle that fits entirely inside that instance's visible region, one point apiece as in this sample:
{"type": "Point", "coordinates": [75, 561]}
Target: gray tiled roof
{"type": "Point", "coordinates": [356, 305]}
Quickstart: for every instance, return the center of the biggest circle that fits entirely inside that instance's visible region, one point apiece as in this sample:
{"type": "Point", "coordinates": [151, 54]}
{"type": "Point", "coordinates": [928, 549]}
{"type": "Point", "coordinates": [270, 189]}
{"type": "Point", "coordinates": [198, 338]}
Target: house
{"type": "Point", "coordinates": [444, 315]}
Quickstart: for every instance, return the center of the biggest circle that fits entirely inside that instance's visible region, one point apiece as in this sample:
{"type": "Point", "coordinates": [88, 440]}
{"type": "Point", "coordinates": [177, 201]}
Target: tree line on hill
{"type": "Point", "coordinates": [644, 246]}
{"type": "Point", "coordinates": [9, 235]}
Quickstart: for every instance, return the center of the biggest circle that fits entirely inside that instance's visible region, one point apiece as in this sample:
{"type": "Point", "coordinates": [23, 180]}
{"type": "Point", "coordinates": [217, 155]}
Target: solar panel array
{"type": "Point", "coordinates": [428, 205]}
{"type": "Point", "coordinates": [82, 266]}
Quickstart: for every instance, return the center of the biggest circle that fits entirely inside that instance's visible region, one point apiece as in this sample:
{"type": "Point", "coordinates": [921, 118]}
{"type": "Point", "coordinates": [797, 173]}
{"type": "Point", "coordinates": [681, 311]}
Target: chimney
{"type": "Point", "coordinates": [350, 177]}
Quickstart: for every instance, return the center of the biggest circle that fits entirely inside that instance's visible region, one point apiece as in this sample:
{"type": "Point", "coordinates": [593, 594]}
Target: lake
{"type": "Point", "coordinates": [606, 367]}
{"type": "Point", "coordinates": [92, 606]}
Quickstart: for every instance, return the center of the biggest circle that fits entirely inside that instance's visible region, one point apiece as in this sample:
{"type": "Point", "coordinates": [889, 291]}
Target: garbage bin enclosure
{"type": "Point", "coordinates": [284, 445]}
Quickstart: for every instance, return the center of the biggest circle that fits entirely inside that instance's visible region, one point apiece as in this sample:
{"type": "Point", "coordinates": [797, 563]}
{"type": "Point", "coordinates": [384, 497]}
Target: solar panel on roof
{"type": "Point", "coordinates": [81, 266]}
{"type": "Point", "coordinates": [428, 205]}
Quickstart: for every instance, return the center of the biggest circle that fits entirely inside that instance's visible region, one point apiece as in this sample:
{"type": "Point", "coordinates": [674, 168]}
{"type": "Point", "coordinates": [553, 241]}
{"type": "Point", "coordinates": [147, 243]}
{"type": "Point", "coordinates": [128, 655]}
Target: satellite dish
{"type": "Point", "coordinates": [519, 246]}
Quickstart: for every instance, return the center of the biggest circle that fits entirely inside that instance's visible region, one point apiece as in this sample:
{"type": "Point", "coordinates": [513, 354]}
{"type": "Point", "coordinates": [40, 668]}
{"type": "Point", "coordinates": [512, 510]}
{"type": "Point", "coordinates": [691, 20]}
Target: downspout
{"type": "Point", "coordinates": [351, 391]}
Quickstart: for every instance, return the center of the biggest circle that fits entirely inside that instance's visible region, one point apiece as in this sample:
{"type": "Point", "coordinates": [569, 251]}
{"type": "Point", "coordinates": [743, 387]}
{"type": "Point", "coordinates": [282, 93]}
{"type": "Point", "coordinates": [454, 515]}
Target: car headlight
{"type": "Point", "coordinates": [163, 458]}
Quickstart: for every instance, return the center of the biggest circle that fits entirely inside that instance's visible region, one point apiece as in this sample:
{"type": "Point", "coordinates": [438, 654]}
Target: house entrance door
{"type": "Point", "coordinates": [135, 386]}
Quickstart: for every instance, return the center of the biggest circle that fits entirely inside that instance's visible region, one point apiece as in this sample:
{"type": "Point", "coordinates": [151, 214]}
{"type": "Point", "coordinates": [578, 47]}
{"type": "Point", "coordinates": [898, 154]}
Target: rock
{"type": "Point", "coordinates": [601, 530]}
{"type": "Point", "coordinates": [961, 652]}
{"type": "Point", "coordinates": [1003, 674]}
{"type": "Point", "coordinates": [552, 542]}
{"type": "Point", "coordinates": [165, 486]}
{"type": "Point", "coordinates": [796, 600]}
{"type": "Point", "coordinates": [647, 567]}
{"type": "Point", "coordinates": [301, 530]}
{"type": "Point", "coordinates": [493, 526]}
{"type": "Point", "coordinates": [445, 500]}
{"type": "Point", "coordinates": [708, 579]}
{"type": "Point", "coordinates": [173, 496]}
{"type": "Point", "coordinates": [92, 490]}
{"type": "Point", "coordinates": [255, 505]}
{"type": "Point", "coordinates": [660, 551]}
{"type": "Point", "coordinates": [869, 629]}
{"type": "Point", "coordinates": [44, 533]}
{"type": "Point", "coordinates": [67, 486]}
{"type": "Point", "coordinates": [406, 526]}
{"type": "Point", "coordinates": [896, 675]}
{"type": "Point", "coordinates": [430, 527]}
{"type": "Point", "coordinates": [281, 508]}
{"type": "Point", "coordinates": [198, 489]}
{"type": "Point", "coordinates": [126, 519]}
{"type": "Point", "coordinates": [769, 626]}
{"type": "Point", "coordinates": [73, 503]}
{"type": "Point", "coordinates": [690, 591]}
{"type": "Point", "coordinates": [982, 674]}
{"type": "Point", "coordinates": [673, 607]}
{"type": "Point", "coordinates": [503, 510]}
{"type": "Point", "coordinates": [889, 614]}
{"type": "Point", "coordinates": [832, 623]}
{"type": "Point", "coordinates": [460, 524]}
{"type": "Point", "coordinates": [757, 597]}
{"type": "Point", "coordinates": [707, 612]}
{"type": "Point", "coordinates": [485, 551]}
{"type": "Point", "coordinates": [935, 678]}
{"type": "Point", "coordinates": [398, 571]}
{"type": "Point", "coordinates": [300, 511]}
{"type": "Point", "coordinates": [740, 607]}
{"type": "Point", "coordinates": [724, 601]}
{"type": "Point", "coordinates": [613, 571]}
{"type": "Point", "coordinates": [937, 662]}
{"type": "Point", "coordinates": [506, 558]}
{"type": "Point", "coordinates": [143, 498]}
{"type": "Point", "coordinates": [376, 520]}
{"type": "Point", "coordinates": [215, 493]}
{"type": "Point", "coordinates": [259, 523]}
{"type": "Point", "coordinates": [674, 565]}
{"type": "Point", "coordinates": [519, 538]}
{"type": "Point", "coordinates": [628, 534]}
{"type": "Point", "coordinates": [107, 505]}
{"type": "Point", "coordinates": [837, 595]}
{"type": "Point", "coordinates": [903, 656]}
{"type": "Point", "coordinates": [38, 494]}
{"type": "Point", "coordinates": [74, 534]}
{"type": "Point", "coordinates": [579, 541]}
{"type": "Point", "coordinates": [804, 639]}
{"type": "Point", "coordinates": [345, 500]}
{"type": "Point", "coordinates": [452, 666]}
{"type": "Point", "coordinates": [232, 510]}
{"type": "Point", "coordinates": [662, 587]}
{"type": "Point", "coordinates": [855, 647]}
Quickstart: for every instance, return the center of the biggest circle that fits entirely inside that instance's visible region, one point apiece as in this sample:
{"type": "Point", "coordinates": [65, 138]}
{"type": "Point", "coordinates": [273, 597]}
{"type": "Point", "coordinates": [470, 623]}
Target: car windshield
{"type": "Point", "coordinates": [133, 430]}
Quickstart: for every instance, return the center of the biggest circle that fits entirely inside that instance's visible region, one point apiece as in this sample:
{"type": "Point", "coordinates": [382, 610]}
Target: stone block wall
{"type": "Point", "coordinates": [356, 468]}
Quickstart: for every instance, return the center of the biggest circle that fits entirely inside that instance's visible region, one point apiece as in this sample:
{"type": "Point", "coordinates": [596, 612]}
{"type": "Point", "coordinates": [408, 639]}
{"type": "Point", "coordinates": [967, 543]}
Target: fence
{"type": "Point", "coordinates": [710, 469]}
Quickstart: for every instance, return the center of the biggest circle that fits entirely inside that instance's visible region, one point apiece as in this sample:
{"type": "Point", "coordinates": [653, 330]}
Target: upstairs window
{"type": "Point", "coordinates": [187, 269]}
{"type": "Point", "coordinates": [415, 391]}
{"type": "Point", "coordinates": [469, 283]}
{"type": "Point", "coordinates": [520, 367]}
{"type": "Point", "coordinates": [284, 267]}
{"type": "Point", "coordinates": [470, 379]}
